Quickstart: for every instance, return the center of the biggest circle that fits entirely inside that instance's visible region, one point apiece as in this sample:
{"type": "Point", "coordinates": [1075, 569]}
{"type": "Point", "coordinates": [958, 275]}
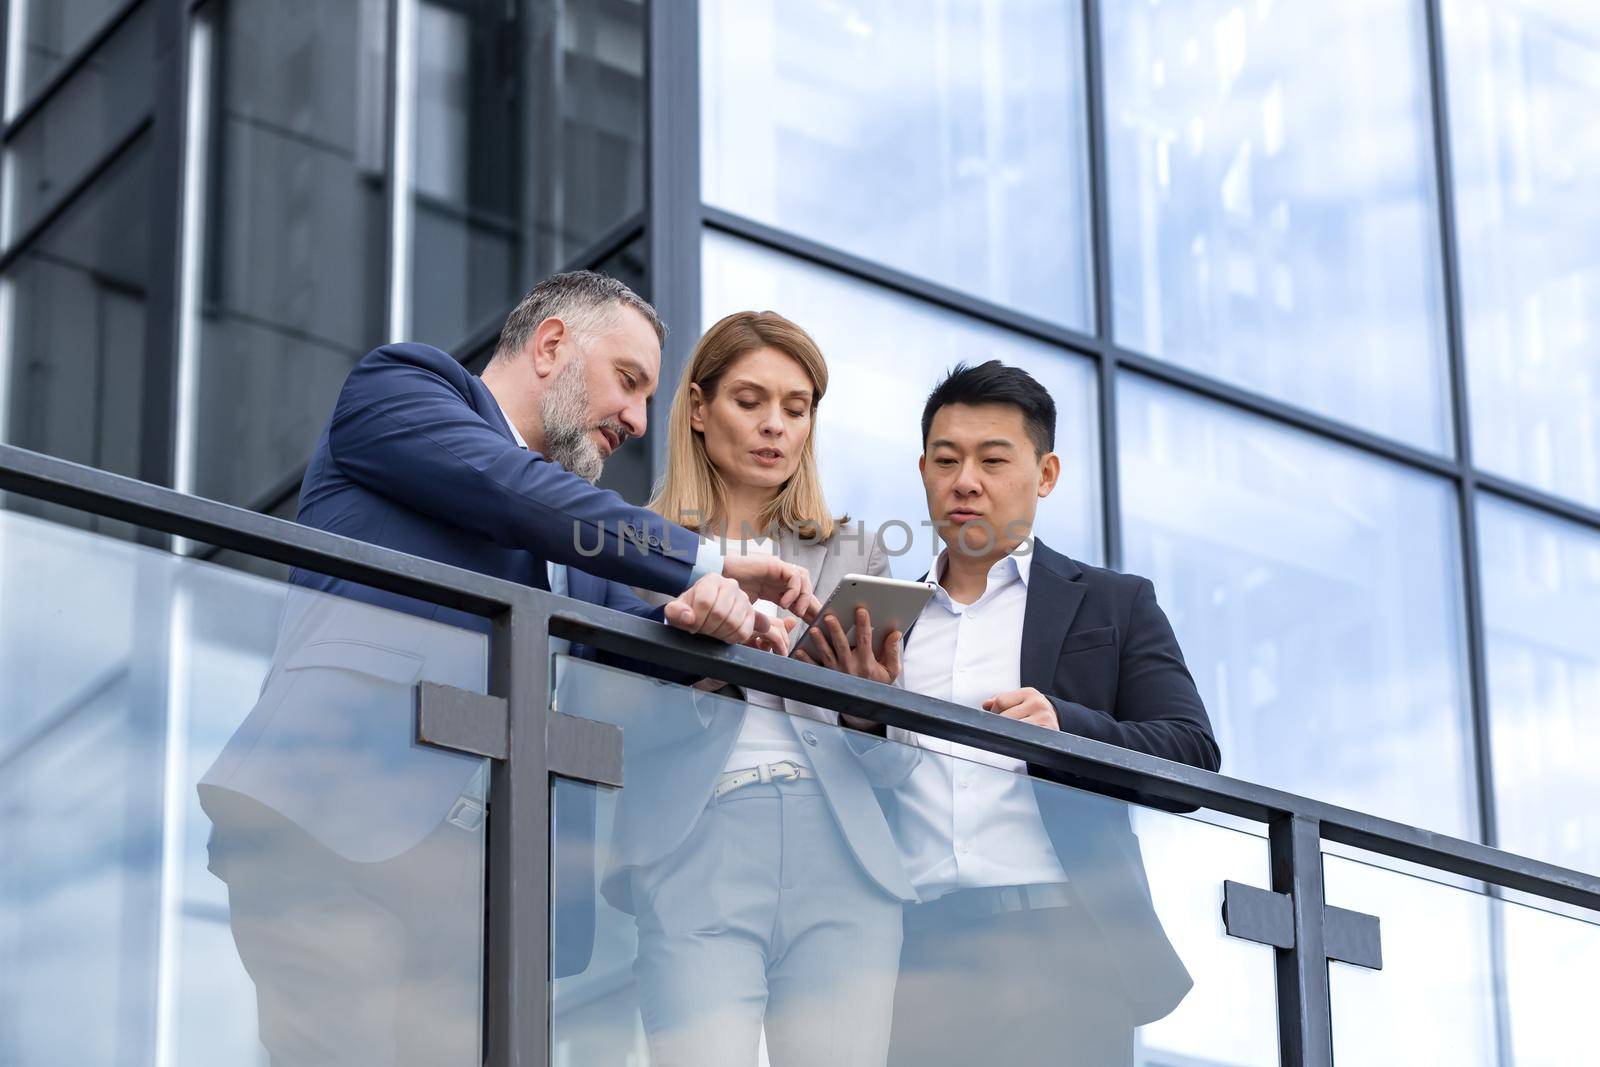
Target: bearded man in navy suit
{"type": "Point", "coordinates": [353, 855]}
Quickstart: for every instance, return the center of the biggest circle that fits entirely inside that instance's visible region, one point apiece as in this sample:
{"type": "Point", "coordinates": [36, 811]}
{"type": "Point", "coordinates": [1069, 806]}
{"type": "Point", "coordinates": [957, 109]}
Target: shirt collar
{"type": "Point", "coordinates": [520, 442]}
{"type": "Point", "coordinates": [1018, 563]}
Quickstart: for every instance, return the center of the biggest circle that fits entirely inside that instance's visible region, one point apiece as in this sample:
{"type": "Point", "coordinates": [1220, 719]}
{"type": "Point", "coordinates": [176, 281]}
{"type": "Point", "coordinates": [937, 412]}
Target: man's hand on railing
{"type": "Point", "coordinates": [787, 585]}
{"type": "Point", "coordinates": [1025, 705]}
{"type": "Point", "coordinates": [717, 607]}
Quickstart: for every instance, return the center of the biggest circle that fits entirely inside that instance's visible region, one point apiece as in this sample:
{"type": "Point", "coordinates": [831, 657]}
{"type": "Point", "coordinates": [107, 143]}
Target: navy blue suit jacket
{"type": "Point", "coordinates": [418, 457]}
{"type": "Point", "coordinates": [1099, 647]}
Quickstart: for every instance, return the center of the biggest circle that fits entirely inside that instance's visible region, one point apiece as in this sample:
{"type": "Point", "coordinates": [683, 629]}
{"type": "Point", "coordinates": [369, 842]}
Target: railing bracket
{"type": "Point", "coordinates": [1253, 914]}
{"type": "Point", "coordinates": [463, 721]}
{"type": "Point", "coordinates": [1352, 937]}
{"type": "Point", "coordinates": [1258, 915]}
{"type": "Point", "coordinates": [583, 749]}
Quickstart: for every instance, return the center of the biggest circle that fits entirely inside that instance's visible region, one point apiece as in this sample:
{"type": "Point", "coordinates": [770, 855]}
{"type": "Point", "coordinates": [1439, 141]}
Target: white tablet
{"type": "Point", "coordinates": [892, 604]}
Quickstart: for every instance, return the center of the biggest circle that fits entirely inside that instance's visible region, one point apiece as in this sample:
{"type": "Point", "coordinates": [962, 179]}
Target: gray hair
{"type": "Point", "coordinates": [582, 299]}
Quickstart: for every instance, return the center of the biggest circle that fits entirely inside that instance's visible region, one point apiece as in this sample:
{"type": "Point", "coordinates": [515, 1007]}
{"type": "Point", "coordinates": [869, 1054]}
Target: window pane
{"type": "Point", "coordinates": [885, 353]}
{"type": "Point", "coordinates": [1524, 78]}
{"type": "Point", "coordinates": [1541, 603]}
{"type": "Point", "coordinates": [947, 140]}
{"type": "Point", "coordinates": [72, 332]}
{"type": "Point", "coordinates": [1433, 1002]}
{"type": "Point", "coordinates": [1468, 979]}
{"type": "Point", "coordinates": [102, 102]}
{"type": "Point", "coordinates": [529, 148]}
{"type": "Point", "coordinates": [49, 33]}
{"type": "Point", "coordinates": [293, 281]}
{"type": "Point", "coordinates": [1317, 596]}
{"type": "Point", "coordinates": [1273, 216]}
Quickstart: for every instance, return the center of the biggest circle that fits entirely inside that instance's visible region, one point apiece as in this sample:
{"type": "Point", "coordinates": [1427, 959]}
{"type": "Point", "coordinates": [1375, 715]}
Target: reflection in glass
{"type": "Point", "coordinates": [947, 140]}
{"type": "Point", "coordinates": [72, 331]}
{"type": "Point", "coordinates": [44, 35]}
{"type": "Point", "coordinates": [1541, 602]}
{"type": "Point", "coordinates": [1316, 593]}
{"type": "Point", "coordinates": [1467, 979]}
{"type": "Point", "coordinates": [117, 932]}
{"type": "Point", "coordinates": [292, 285]}
{"type": "Point", "coordinates": [885, 353]}
{"type": "Point", "coordinates": [1273, 215]}
{"type": "Point", "coordinates": [638, 864]}
{"type": "Point", "coordinates": [1523, 80]}
{"type": "Point", "coordinates": [1433, 1002]}
{"type": "Point", "coordinates": [101, 103]}
{"type": "Point", "coordinates": [529, 147]}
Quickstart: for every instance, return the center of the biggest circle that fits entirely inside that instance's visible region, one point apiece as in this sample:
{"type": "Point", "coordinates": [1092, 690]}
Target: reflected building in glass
{"type": "Point", "coordinates": [1315, 286]}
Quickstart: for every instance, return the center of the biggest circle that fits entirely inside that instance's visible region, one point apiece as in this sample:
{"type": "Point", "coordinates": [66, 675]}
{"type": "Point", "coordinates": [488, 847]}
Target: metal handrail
{"type": "Point", "coordinates": [523, 621]}
{"type": "Point", "coordinates": [1091, 763]}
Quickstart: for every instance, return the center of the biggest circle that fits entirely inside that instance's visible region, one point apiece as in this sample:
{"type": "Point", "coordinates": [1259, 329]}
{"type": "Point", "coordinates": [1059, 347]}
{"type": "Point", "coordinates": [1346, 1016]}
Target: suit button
{"type": "Point", "coordinates": [809, 738]}
{"type": "Point", "coordinates": [655, 542]}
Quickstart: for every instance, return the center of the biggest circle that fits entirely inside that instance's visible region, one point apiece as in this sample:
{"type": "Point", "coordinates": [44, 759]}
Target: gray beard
{"type": "Point", "coordinates": [565, 412]}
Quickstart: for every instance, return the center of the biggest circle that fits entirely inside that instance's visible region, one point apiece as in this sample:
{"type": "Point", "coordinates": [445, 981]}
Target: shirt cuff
{"type": "Point", "coordinates": [707, 561]}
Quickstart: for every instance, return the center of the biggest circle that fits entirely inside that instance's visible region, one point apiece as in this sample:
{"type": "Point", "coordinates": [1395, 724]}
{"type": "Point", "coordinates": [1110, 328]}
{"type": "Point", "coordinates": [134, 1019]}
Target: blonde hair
{"type": "Point", "coordinates": [692, 493]}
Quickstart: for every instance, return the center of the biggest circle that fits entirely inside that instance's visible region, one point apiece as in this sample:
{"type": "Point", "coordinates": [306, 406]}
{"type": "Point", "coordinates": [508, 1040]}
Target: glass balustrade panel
{"type": "Point", "coordinates": [221, 842]}
{"type": "Point", "coordinates": [706, 912]}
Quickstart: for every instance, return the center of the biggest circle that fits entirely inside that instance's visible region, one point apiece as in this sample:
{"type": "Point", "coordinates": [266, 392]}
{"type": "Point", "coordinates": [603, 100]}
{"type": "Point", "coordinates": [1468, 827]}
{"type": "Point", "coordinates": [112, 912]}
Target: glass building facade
{"type": "Point", "coordinates": [1316, 287]}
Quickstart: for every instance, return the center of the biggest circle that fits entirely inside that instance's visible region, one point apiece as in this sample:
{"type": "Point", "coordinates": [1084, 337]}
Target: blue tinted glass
{"type": "Point", "coordinates": [696, 919]}
{"type": "Point", "coordinates": [1433, 1001]}
{"type": "Point", "coordinates": [1316, 593]}
{"type": "Point", "coordinates": [1541, 607]}
{"type": "Point", "coordinates": [1524, 79]}
{"type": "Point", "coordinates": [885, 352]}
{"type": "Point", "coordinates": [98, 106]}
{"type": "Point", "coordinates": [48, 34]}
{"type": "Point", "coordinates": [219, 833]}
{"type": "Point", "coordinates": [72, 329]}
{"type": "Point", "coordinates": [528, 148]}
{"type": "Point", "coordinates": [1468, 980]}
{"type": "Point", "coordinates": [945, 140]}
{"type": "Point", "coordinates": [292, 288]}
{"type": "Point", "coordinates": [1273, 216]}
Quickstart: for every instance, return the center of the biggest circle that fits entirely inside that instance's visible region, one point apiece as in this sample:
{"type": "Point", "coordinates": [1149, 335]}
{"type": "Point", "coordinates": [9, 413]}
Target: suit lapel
{"type": "Point", "coordinates": [812, 555]}
{"type": "Point", "coordinates": [1053, 600]}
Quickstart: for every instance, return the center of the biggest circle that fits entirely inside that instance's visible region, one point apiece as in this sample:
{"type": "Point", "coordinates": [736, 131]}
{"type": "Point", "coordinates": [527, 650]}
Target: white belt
{"type": "Point", "coordinates": [766, 774]}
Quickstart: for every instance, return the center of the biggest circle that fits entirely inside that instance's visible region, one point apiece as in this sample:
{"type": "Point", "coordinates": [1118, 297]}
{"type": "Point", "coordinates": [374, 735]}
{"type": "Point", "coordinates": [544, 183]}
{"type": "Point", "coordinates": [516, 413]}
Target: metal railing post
{"type": "Point", "coordinates": [517, 941]}
{"type": "Point", "coordinates": [1305, 1030]}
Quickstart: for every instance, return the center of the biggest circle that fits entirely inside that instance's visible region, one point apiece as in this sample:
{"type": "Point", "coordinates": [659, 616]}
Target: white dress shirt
{"type": "Point", "coordinates": [556, 573]}
{"type": "Point", "coordinates": [968, 817]}
{"type": "Point", "coordinates": [766, 735]}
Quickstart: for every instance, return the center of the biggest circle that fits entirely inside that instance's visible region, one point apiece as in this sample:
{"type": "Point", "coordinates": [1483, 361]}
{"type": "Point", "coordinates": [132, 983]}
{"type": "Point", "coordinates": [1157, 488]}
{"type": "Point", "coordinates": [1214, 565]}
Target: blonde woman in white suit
{"type": "Point", "coordinates": [753, 853]}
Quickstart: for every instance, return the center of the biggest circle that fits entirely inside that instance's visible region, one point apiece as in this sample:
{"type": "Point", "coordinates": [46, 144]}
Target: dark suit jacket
{"type": "Point", "coordinates": [1097, 644]}
{"type": "Point", "coordinates": [418, 457]}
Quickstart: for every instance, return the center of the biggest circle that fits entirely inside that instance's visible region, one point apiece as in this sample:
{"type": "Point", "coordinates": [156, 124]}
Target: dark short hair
{"type": "Point", "coordinates": [582, 298]}
{"type": "Point", "coordinates": [995, 383]}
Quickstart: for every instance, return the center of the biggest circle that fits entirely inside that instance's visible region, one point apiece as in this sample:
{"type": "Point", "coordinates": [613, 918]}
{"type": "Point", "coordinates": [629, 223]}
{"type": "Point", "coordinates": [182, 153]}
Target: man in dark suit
{"type": "Point", "coordinates": [352, 854]}
{"type": "Point", "coordinates": [1035, 939]}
